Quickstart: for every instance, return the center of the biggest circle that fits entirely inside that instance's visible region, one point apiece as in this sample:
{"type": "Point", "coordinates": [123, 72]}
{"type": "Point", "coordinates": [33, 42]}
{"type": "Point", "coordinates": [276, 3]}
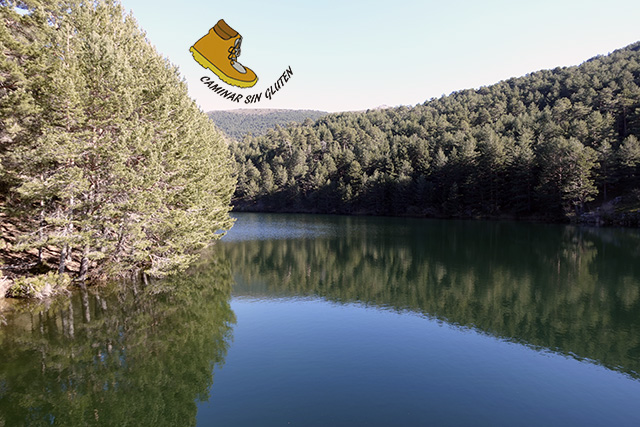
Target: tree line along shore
{"type": "Point", "coordinates": [109, 169]}
{"type": "Point", "coordinates": [555, 145]}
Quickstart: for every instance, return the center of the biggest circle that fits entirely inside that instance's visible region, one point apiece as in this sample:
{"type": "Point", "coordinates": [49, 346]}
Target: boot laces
{"type": "Point", "coordinates": [234, 51]}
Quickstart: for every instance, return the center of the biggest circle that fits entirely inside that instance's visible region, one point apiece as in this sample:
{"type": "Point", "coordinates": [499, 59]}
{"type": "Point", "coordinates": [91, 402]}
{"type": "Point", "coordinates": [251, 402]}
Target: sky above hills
{"type": "Point", "coordinates": [356, 55]}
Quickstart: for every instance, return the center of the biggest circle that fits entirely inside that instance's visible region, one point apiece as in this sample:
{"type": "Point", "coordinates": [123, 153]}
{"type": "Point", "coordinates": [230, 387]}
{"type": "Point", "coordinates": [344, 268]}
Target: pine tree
{"type": "Point", "coordinates": [126, 168]}
{"type": "Point", "coordinates": [629, 160]}
{"type": "Point", "coordinates": [566, 177]}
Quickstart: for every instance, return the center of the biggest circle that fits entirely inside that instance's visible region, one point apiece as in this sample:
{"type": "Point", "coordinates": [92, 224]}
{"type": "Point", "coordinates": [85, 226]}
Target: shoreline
{"type": "Point", "coordinates": [593, 218]}
{"type": "Point", "coordinates": [20, 264]}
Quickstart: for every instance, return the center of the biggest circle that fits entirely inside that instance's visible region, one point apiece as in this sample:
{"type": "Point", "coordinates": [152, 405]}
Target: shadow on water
{"type": "Point", "coordinates": [575, 291]}
{"type": "Point", "coordinates": [139, 356]}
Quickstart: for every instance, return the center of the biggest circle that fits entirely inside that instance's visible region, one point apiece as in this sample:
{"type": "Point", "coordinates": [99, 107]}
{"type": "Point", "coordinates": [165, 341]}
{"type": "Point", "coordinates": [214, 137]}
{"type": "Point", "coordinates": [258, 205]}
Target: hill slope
{"type": "Point", "coordinates": [546, 145]}
{"type": "Point", "coordinates": [238, 123]}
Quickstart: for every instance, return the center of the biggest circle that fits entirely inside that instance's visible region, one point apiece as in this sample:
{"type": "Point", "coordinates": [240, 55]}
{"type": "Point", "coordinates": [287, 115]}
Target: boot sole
{"type": "Point", "coordinates": [204, 62]}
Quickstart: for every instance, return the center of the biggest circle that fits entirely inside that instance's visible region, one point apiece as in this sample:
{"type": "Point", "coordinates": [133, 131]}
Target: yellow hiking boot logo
{"type": "Point", "coordinates": [219, 51]}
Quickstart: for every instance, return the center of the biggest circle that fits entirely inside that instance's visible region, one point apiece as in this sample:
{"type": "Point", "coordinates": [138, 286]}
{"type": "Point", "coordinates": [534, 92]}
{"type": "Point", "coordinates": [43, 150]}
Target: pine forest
{"type": "Point", "coordinates": [105, 161]}
{"type": "Point", "coordinates": [108, 168]}
{"type": "Point", "coordinates": [553, 145]}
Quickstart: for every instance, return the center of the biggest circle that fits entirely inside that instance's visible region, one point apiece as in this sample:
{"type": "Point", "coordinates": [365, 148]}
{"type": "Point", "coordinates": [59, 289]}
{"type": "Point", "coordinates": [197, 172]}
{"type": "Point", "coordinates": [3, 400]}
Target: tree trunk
{"type": "Point", "coordinates": [41, 232]}
{"type": "Point", "coordinates": [84, 264]}
{"type": "Point", "coordinates": [66, 232]}
{"type": "Point", "coordinates": [63, 259]}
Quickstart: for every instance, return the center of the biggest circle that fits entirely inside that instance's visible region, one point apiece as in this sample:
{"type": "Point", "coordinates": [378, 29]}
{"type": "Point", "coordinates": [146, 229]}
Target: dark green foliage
{"type": "Point", "coordinates": [238, 123]}
{"type": "Point", "coordinates": [544, 145]}
{"type": "Point", "coordinates": [105, 156]}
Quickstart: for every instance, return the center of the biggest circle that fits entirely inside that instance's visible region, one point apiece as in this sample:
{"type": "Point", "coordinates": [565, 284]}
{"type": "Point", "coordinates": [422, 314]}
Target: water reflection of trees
{"type": "Point", "coordinates": [143, 356]}
{"type": "Point", "coordinates": [570, 290]}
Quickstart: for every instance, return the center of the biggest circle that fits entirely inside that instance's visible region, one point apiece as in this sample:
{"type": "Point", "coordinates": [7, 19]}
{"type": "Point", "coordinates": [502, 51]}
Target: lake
{"type": "Point", "coordinates": [313, 320]}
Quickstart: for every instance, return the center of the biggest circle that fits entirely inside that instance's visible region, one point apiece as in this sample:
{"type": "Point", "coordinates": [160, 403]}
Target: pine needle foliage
{"type": "Point", "coordinates": [104, 155]}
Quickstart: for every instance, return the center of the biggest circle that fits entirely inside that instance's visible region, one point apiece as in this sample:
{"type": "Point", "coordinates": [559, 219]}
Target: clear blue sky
{"type": "Point", "coordinates": [354, 55]}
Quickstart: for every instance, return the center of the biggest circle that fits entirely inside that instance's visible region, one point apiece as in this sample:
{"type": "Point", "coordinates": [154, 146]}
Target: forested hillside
{"type": "Point", "coordinates": [238, 123]}
{"type": "Point", "coordinates": [547, 145]}
{"type": "Point", "coordinates": [106, 165]}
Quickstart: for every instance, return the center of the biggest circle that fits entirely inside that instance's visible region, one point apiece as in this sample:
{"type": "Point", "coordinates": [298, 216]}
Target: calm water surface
{"type": "Point", "coordinates": [339, 321]}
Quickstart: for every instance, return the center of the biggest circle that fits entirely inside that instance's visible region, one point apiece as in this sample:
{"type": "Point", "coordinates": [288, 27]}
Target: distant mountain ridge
{"type": "Point", "coordinates": [238, 123]}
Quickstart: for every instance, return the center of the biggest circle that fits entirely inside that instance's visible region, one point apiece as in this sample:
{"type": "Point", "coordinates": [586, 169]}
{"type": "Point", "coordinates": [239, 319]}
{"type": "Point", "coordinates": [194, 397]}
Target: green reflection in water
{"type": "Point", "coordinates": [142, 357]}
{"type": "Point", "coordinates": [571, 290]}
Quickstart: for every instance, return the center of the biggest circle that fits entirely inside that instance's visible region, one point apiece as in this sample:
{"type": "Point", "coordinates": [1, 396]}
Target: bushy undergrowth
{"type": "Point", "coordinates": [40, 287]}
